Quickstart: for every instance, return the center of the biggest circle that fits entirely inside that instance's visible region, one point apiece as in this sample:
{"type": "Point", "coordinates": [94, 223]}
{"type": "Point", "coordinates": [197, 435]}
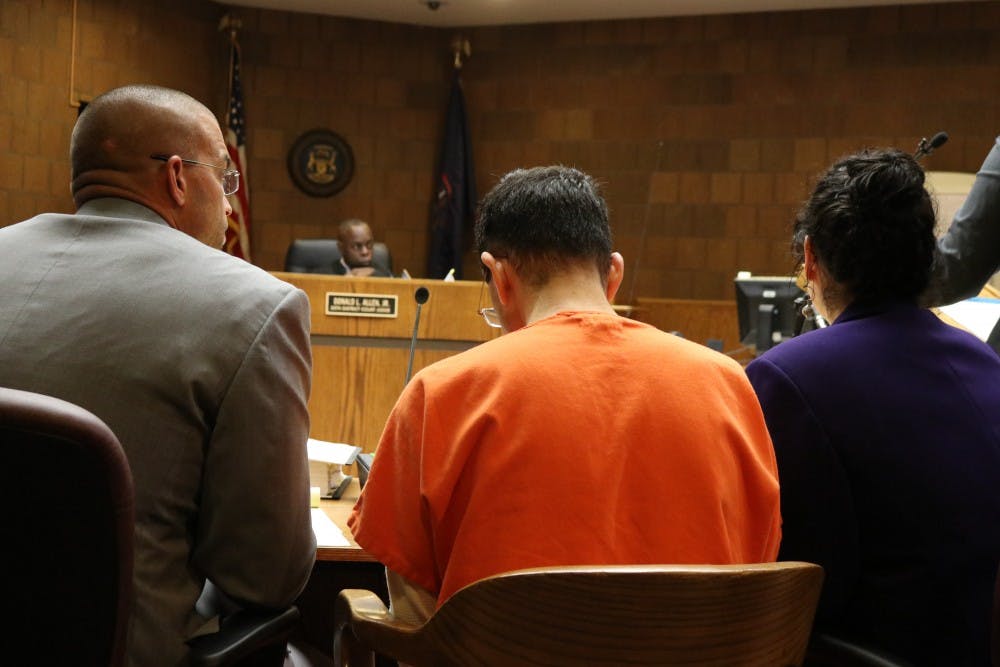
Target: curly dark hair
{"type": "Point", "coordinates": [545, 218]}
{"type": "Point", "coordinates": [871, 225]}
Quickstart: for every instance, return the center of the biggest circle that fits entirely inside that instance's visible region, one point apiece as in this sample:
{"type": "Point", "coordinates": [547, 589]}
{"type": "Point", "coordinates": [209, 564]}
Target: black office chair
{"type": "Point", "coordinates": [68, 513]}
{"type": "Point", "coordinates": [248, 638]}
{"type": "Point", "coordinates": [320, 256]}
{"type": "Point", "coordinates": [826, 650]}
{"type": "Point", "coordinates": [995, 631]}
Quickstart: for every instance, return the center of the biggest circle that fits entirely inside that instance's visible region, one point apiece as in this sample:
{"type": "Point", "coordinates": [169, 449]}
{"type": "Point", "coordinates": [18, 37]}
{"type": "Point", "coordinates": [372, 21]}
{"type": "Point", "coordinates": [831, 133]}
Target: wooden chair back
{"type": "Point", "coordinates": [758, 614]}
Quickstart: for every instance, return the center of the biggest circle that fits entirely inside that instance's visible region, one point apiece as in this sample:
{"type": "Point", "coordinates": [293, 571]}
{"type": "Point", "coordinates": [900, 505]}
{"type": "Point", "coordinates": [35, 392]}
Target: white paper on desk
{"type": "Point", "coordinates": [331, 452]}
{"type": "Point", "coordinates": [978, 315]}
{"type": "Point", "coordinates": [326, 531]}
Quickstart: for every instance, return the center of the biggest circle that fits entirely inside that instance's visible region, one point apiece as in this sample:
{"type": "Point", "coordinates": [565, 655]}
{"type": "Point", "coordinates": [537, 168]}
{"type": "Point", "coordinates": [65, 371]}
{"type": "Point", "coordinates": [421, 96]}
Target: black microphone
{"type": "Point", "coordinates": [420, 296]}
{"type": "Point", "coordinates": [927, 147]}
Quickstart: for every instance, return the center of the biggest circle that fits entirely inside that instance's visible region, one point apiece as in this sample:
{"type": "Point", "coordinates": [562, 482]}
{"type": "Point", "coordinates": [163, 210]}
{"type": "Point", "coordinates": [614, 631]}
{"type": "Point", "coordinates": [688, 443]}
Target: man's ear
{"type": "Point", "coordinates": [500, 275]}
{"type": "Point", "coordinates": [615, 275]}
{"type": "Point", "coordinates": [176, 181]}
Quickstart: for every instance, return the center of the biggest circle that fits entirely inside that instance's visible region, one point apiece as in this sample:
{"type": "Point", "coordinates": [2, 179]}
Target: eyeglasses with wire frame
{"type": "Point", "coordinates": [489, 315]}
{"type": "Point", "coordinates": [230, 177]}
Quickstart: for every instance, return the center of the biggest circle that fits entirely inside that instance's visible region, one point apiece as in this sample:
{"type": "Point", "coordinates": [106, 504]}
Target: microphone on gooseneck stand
{"type": "Point", "coordinates": [927, 147]}
{"type": "Point", "coordinates": [420, 296]}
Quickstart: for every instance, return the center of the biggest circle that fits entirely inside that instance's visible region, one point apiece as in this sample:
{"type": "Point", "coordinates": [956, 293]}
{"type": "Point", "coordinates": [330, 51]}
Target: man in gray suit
{"type": "Point", "coordinates": [968, 254]}
{"type": "Point", "coordinates": [198, 361]}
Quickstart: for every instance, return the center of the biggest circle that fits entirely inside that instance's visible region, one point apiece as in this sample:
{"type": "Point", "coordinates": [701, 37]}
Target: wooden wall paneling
{"type": "Point", "coordinates": [696, 320]}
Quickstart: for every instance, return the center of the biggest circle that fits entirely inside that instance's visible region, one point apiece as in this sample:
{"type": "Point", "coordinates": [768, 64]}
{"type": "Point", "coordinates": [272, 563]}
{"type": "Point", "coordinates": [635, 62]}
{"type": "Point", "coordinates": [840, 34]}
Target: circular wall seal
{"type": "Point", "coordinates": [320, 163]}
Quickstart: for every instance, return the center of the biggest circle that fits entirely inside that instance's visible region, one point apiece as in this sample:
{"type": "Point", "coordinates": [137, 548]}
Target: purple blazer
{"type": "Point", "coordinates": [886, 427]}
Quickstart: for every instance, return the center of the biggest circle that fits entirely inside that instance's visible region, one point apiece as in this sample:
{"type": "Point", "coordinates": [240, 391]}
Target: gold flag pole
{"type": "Point", "coordinates": [74, 103]}
{"type": "Point", "coordinates": [460, 47]}
{"type": "Point", "coordinates": [232, 25]}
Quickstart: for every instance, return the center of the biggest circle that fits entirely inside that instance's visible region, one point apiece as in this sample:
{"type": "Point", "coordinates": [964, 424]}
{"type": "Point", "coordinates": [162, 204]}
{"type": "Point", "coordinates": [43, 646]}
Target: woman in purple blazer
{"type": "Point", "coordinates": [886, 426]}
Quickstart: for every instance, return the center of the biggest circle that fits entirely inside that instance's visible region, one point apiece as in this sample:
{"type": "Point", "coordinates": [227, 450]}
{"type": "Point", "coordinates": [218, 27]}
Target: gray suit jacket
{"type": "Point", "coordinates": [969, 252]}
{"type": "Point", "coordinates": [200, 363]}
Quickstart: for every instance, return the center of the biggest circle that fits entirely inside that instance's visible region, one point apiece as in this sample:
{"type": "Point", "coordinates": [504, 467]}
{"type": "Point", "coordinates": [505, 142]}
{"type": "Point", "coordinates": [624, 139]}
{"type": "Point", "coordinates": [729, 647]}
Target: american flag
{"type": "Point", "coordinates": [238, 234]}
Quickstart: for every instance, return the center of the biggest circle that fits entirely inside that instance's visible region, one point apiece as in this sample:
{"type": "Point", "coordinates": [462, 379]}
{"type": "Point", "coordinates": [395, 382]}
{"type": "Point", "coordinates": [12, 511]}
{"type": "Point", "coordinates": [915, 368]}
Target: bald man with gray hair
{"type": "Point", "coordinates": [198, 361]}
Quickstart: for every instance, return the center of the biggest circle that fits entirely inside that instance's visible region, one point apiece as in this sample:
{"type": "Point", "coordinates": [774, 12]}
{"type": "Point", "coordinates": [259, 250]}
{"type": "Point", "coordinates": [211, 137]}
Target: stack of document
{"type": "Point", "coordinates": [325, 465]}
{"type": "Point", "coordinates": [978, 315]}
{"type": "Point", "coordinates": [326, 531]}
{"type": "Point", "coordinates": [337, 453]}
{"type": "Point", "coordinates": [325, 459]}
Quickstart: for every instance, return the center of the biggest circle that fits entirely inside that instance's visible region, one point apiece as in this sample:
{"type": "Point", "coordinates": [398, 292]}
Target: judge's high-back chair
{"type": "Point", "coordinates": [614, 615]}
{"type": "Point", "coordinates": [67, 515]}
{"type": "Point", "coordinates": [320, 256]}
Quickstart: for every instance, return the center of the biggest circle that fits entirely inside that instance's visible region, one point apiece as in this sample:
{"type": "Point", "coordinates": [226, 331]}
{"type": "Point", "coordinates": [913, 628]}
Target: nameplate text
{"type": "Point", "coordinates": [349, 304]}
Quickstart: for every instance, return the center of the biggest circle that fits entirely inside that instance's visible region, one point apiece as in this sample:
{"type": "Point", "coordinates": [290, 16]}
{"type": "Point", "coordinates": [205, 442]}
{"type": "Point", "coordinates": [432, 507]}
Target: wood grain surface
{"type": "Point", "coordinates": [752, 615]}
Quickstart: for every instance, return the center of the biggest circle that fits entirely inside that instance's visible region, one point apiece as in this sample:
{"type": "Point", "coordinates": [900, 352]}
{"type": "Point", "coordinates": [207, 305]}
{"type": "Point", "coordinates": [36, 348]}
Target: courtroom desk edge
{"type": "Point", "coordinates": [392, 343]}
{"type": "Point", "coordinates": [647, 300]}
{"type": "Point", "coordinates": [350, 554]}
{"type": "Point", "coordinates": [339, 511]}
{"type": "Point", "coordinates": [335, 569]}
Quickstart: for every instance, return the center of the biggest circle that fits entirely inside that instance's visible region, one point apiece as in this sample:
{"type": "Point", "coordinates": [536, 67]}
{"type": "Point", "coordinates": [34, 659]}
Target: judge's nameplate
{"type": "Point", "coordinates": [350, 304]}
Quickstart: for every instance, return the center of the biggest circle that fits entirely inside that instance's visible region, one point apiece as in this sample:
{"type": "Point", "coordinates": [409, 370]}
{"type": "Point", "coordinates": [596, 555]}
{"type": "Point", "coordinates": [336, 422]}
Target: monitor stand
{"type": "Point", "coordinates": [767, 318]}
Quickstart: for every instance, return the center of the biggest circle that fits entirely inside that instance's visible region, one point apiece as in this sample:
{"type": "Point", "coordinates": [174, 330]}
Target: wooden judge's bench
{"type": "Point", "coordinates": [360, 358]}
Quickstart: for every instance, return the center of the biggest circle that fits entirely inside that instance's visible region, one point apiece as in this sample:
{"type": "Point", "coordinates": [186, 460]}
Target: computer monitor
{"type": "Point", "coordinates": [766, 308]}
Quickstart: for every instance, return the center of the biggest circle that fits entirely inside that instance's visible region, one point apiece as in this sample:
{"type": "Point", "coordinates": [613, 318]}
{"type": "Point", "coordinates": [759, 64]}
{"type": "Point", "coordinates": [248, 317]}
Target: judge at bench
{"type": "Point", "coordinates": [355, 241]}
{"type": "Point", "coordinates": [886, 425]}
{"type": "Point", "coordinates": [577, 438]}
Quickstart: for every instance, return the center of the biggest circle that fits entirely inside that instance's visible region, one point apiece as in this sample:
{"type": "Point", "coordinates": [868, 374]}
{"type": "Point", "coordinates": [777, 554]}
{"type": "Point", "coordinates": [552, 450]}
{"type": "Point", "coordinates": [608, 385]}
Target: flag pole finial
{"type": "Point", "coordinates": [460, 47]}
{"type": "Point", "coordinates": [230, 23]}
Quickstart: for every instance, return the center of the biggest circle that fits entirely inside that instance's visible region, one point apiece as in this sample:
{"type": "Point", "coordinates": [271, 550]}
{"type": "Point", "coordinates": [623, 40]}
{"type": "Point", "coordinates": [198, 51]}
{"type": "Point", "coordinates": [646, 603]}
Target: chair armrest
{"type": "Point", "coordinates": [363, 625]}
{"type": "Point", "coordinates": [243, 634]}
{"type": "Point", "coordinates": [829, 651]}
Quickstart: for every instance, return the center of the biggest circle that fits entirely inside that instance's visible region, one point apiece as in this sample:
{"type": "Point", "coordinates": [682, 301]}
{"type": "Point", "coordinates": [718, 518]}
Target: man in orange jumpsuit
{"type": "Point", "coordinates": [579, 437]}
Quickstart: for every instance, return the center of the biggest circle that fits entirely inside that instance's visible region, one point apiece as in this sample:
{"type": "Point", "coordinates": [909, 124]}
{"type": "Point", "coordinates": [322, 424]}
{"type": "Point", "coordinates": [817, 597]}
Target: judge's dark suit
{"type": "Point", "coordinates": [886, 427]}
{"type": "Point", "coordinates": [341, 269]}
{"type": "Point", "coordinates": [200, 364]}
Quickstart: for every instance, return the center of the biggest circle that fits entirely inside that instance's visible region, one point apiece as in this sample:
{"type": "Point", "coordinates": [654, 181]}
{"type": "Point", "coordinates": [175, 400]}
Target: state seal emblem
{"type": "Point", "coordinates": [320, 163]}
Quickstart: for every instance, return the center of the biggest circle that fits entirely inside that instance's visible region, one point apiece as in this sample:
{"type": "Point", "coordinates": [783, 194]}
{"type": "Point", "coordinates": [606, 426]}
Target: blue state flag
{"type": "Point", "coordinates": [455, 201]}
